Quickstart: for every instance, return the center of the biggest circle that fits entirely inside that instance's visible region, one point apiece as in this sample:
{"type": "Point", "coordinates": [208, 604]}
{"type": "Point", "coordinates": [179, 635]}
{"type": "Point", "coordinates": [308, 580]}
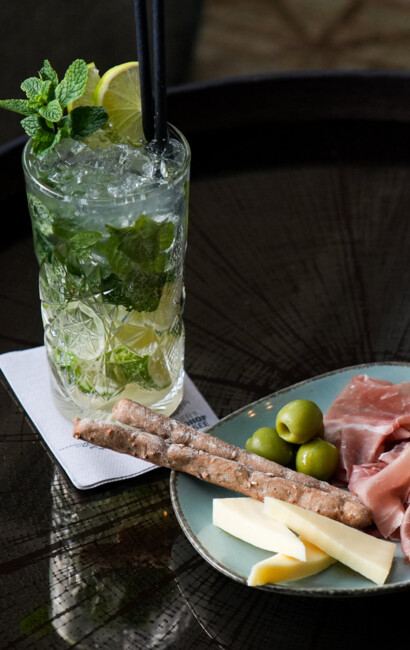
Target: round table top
{"type": "Point", "coordinates": [297, 265]}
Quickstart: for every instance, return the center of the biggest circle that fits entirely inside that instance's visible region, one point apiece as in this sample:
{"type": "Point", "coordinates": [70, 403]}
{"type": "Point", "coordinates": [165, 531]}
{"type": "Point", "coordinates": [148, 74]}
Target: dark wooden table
{"type": "Point", "coordinates": [297, 264]}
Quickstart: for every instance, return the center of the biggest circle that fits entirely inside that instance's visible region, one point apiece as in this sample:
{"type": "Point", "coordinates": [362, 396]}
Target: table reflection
{"type": "Point", "coordinates": [111, 578]}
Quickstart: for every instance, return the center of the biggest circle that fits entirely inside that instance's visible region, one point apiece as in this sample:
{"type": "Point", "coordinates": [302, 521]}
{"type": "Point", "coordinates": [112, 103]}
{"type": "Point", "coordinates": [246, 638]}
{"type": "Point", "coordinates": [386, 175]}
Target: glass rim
{"type": "Point", "coordinates": [45, 189]}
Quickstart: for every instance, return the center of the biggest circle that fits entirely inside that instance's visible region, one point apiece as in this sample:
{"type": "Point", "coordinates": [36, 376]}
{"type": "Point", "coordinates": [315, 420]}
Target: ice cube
{"type": "Point", "coordinates": [117, 171]}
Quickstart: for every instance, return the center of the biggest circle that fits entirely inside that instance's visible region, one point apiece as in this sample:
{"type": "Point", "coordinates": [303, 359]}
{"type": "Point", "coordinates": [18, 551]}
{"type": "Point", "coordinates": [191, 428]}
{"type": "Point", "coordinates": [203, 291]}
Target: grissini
{"type": "Point", "coordinates": [135, 415]}
{"type": "Point", "coordinates": [228, 473]}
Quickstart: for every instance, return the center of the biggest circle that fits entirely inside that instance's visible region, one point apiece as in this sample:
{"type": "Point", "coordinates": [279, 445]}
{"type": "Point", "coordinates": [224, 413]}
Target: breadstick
{"type": "Point", "coordinates": [141, 417]}
{"type": "Point", "coordinates": [224, 472]}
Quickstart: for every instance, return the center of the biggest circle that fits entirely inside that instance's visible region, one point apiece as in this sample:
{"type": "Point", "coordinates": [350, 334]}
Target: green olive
{"type": "Point", "coordinates": [299, 421]}
{"type": "Point", "coordinates": [266, 442]}
{"type": "Point", "coordinates": [317, 458]}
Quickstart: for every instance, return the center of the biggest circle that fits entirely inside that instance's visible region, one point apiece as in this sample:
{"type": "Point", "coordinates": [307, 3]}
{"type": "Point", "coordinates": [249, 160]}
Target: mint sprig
{"type": "Point", "coordinates": [47, 118]}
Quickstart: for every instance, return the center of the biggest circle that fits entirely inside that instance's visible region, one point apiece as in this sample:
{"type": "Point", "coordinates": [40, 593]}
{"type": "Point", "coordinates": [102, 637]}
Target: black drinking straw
{"type": "Point", "coordinates": [153, 104]}
{"type": "Point", "coordinates": [147, 103]}
{"type": "Point", "coordinates": [160, 89]}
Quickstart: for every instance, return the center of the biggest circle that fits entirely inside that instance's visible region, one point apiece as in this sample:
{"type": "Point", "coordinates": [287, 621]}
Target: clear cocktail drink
{"type": "Point", "coordinates": [110, 227]}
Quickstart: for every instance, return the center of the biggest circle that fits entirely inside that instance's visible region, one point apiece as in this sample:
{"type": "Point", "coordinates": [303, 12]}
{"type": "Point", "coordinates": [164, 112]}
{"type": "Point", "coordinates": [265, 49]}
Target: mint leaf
{"type": "Point", "coordinates": [44, 140]}
{"type": "Point", "coordinates": [34, 104]}
{"type": "Point", "coordinates": [47, 92]}
{"type": "Point", "coordinates": [47, 73]}
{"type": "Point", "coordinates": [84, 241]}
{"type": "Point", "coordinates": [124, 366]}
{"type": "Point", "coordinates": [145, 242]}
{"type": "Point", "coordinates": [134, 290]}
{"type": "Point", "coordinates": [32, 87]}
{"type": "Point", "coordinates": [52, 112]}
{"type": "Point", "coordinates": [22, 106]}
{"type": "Point", "coordinates": [137, 255]}
{"type": "Point", "coordinates": [64, 126]}
{"type": "Point", "coordinates": [42, 221]}
{"type": "Point", "coordinates": [42, 215]}
{"type": "Point", "coordinates": [85, 120]}
{"type": "Point", "coordinates": [65, 225]}
{"type": "Point", "coordinates": [73, 84]}
{"type": "Point", "coordinates": [31, 125]}
{"type": "Point", "coordinates": [48, 101]}
{"type": "Point", "coordinates": [165, 235]}
{"type": "Point", "coordinates": [76, 253]}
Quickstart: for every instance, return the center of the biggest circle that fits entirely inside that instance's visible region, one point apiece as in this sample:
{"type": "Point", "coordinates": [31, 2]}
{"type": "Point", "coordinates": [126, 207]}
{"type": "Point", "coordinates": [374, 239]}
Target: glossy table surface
{"type": "Point", "coordinates": [297, 264]}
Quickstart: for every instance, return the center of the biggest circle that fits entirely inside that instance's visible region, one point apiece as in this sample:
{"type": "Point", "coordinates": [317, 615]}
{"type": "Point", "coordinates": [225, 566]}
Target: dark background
{"type": "Point", "coordinates": [101, 32]}
{"type": "Point", "coordinates": [206, 39]}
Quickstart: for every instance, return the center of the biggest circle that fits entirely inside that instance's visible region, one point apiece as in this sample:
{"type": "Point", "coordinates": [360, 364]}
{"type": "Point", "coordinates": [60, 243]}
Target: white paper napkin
{"type": "Point", "coordinates": [86, 465]}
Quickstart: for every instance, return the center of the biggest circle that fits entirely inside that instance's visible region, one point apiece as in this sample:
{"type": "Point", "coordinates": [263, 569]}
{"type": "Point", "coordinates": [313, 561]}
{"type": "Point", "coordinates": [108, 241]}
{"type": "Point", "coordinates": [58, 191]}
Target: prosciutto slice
{"type": "Point", "coordinates": [383, 487]}
{"type": "Point", "coordinates": [367, 417]}
{"type": "Point", "coordinates": [369, 422]}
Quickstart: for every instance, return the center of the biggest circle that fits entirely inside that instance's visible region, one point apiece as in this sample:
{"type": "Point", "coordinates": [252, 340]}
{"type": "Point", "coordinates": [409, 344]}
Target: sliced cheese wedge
{"type": "Point", "coordinates": [361, 552]}
{"type": "Point", "coordinates": [244, 518]}
{"type": "Point", "coordinates": [281, 568]}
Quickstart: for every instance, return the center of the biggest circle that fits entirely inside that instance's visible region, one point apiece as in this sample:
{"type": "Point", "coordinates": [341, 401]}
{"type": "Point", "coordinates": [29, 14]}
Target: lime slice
{"type": "Point", "coordinates": [118, 91]}
{"type": "Point", "coordinates": [88, 97]}
{"type": "Point", "coordinates": [137, 356]}
{"type": "Point", "coordinates": [137, 336]}
{"type": "Point", "coordinates": [93, 382]}
{"type": "Point", "coordinates": [168, 312]}
{"type": "Point", "coordinates": [148, 371]}
{"type": "Point", "coordinates": [158, 370]}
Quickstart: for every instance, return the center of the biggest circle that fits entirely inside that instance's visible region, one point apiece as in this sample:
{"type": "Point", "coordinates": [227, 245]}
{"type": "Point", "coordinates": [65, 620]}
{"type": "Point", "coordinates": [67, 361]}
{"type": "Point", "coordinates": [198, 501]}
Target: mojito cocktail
{"type": "Point", "coordinates": [110, 227]}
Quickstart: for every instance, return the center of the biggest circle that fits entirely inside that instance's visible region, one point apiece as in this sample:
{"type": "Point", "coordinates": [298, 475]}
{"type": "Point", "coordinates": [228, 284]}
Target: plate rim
{"type": "Point", "coordinates": [282, 588]}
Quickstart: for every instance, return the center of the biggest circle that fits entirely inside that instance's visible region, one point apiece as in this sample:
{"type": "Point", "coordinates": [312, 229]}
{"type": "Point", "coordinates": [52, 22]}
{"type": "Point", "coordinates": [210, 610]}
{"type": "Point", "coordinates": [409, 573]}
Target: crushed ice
{"type": "Point", "coordinates": [75, 169]}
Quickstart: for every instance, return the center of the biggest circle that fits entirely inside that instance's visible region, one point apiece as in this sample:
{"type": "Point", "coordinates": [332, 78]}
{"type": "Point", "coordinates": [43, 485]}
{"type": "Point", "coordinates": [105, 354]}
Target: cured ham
{"type": "Point", "coordinates": [366, 418]}
{"type": "Point", "coordinates": [384, 490]}
{"type": "Point", "coordinates": [369, 422]}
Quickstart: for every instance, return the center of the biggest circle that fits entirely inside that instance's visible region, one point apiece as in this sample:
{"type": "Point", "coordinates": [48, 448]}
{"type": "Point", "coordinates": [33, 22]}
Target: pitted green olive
{"type": "Point", "coordinates": [317, 458]}
{"type": "Point", "coordinates": [266, 442]}
{"type": "Point", "coordinates": [299, 421]}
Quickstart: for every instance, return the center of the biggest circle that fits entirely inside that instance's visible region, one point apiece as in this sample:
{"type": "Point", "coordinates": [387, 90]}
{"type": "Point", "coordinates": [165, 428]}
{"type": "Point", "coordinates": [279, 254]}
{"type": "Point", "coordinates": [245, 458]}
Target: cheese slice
{"type": "Point", "coordinates": [244, 518]}
{"type": "Point", "coordinates": [361, 552]}
{"type": "Point", "coordinates": [280, 567]}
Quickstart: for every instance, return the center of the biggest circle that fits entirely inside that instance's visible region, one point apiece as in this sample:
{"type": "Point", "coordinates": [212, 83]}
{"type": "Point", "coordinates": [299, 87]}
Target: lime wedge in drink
{"type": "Point", "coordinates": [168, 311]}
{"type": "Point", "coordinates": [148, 371]}
{"type": "Point", "coordinates": [118, 91]}
{"type": "Point", "coordinates": [137, 355]}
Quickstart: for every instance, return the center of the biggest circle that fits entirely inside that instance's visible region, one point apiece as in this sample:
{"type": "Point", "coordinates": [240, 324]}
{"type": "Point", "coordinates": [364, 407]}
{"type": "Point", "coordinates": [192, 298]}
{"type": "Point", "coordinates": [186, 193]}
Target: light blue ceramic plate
{"type": "Point", "coordinates": [192, 498]}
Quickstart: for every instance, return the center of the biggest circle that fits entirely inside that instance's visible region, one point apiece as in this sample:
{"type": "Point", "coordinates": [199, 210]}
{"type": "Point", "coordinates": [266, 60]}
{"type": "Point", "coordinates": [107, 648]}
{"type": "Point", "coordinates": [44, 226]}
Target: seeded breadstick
{"type": "Point", "coordinates": [131, 413]}
{"type": "Point", "coordinates": [221, 471]}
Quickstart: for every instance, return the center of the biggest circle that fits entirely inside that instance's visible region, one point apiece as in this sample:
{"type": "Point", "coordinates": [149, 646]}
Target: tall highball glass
{"type": "Point", "coordinates": [110, 229]}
